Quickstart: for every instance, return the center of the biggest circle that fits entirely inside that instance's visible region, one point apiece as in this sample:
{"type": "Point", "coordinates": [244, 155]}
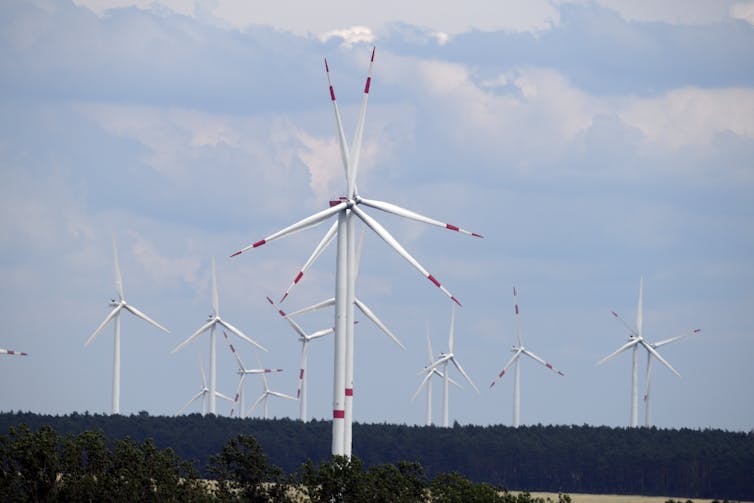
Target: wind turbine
{"type": "Point", "coordinates": [430, 371]}
{"type": "Point", "coordinates": [203, 392]}
{"type": "Point", "coordinates": [305, 339]}
{"type": "Point", "coordinates": [636, 339]}
{"type": "Point", "coordinates": [345, 208]}
{"type": "Point", "coordinates": [114, 315]}
{"type": "Point", "coordinates": [647, 401]}
{"type": "Point", "coordinates": [212, 322]}
{"type": "Point", "coordinates": [517, 352]}
{"type": "Point", "coordinates": [443, 360]}
{"type": "Point", "coordinates": [266, 392]}
{"type": "Point", "coordinates": [12, 352]}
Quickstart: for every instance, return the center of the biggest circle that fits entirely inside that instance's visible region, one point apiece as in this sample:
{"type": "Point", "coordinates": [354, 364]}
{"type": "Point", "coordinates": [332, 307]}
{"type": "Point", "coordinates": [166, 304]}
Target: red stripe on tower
{"type": "Point", "coordinates": [338, 414]}
{"type": "Point", "coordinates": [349, 391]}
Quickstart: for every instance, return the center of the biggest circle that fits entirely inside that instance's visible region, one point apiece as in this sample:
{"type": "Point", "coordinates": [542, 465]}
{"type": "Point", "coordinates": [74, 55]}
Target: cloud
{"type": "Point", "coordinates": [743, 10]}
{"type": "Point", "coordinates": [350, 36]}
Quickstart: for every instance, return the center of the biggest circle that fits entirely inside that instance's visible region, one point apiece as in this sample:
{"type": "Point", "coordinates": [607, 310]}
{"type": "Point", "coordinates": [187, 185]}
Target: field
{"type": "Point", "coordinates": [615, 498]}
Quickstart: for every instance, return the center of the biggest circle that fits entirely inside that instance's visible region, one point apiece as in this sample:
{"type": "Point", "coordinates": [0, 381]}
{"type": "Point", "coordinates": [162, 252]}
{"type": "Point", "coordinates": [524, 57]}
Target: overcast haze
{"type": "Point", "coordinates": [589, 142]}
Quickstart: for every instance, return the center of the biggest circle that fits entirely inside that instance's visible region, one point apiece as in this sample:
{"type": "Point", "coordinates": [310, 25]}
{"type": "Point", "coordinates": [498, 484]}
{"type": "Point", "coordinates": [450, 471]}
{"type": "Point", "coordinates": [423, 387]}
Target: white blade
{"type": "Point", "coordinates": [429, 345]}
{"type": "Point", "coordinates": [659, 357]}
{"type": "Point", "coordinates": [201, 369]}
{"type": "Point", "coordinates": [369, 314]}
{"type": "Point", "coordinates": [464, 374]}
{"type": "Point", "coordinates": [389, 239]}
{"type": "Point", "coordinates": [356, 146]}
{"type": "Point", "coordinates": [215, 299]}
{"type": "Point", "coordinates": [624, 347]}
{"type": "Point", "coordinates": [628, 327]}
{"type": "Point", "coordinates": [102, 325]}
{"type": "Point", "coordinates": [450, 379]}
{"type": "Point", "coordinates": [145, 317]}
{"type": "Point", "coordinates": [321, 333]}
{"type": "Point", "coordinates": [315, 307]}
{"type": "Point", "coordinates": [235, 353]}
{"type": "Point", "coordinates": [676, 338]}
{"type": "Point", "coordinates": [240, 334]}
{"type": "Point", "coordinates": [302, 368]}
{"type": "Point", "coordinates": [314, 256]}
{"type": "Point", "coordinates": [403, 212]}
{"type": "Point", "coordinates": [118, 277]}
{"type": "Point", "coordinates": [263, 396]}
{"type": "Point", "coordinates": [507, 366]}
{"type": "Point", "coordinates": [437, 363]}
{"type": "Point", "coordinates": [224, 397]}
{"type": "Point", "coordinates": [193, 399]}
{"type": "Point", "coordinates": [452, 328]}
{"type": "Point", "coordinates": [640, 308]}
{"type": "Point", "coordinates": [301, 224]}
{"type": "Point", "coordinates": [540, 360]}
{"type": "Point", "coordinates": [281, 395]}
{"type": "Point", "coordinates": [421, 386]}
{"type": "Point", "coordinates": [518, 318]}
{"type": "Point", "coordinates": [339, 124]}
{"type": "Point", "coordinates": [196, 334]}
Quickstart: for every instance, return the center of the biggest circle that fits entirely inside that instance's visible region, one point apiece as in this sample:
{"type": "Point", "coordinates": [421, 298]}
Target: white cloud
{"type": "Point", "coordinates": [743, 10]}
{"type": "Point", "coordinates": [350, 36]}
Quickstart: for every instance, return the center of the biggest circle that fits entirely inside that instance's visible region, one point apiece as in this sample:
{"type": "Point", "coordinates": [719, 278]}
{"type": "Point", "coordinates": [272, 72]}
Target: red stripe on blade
{"type": "Point", "coordinates": [338, 414]}
{"type": "Point", "coordinates": [259, 243]}
{"type": "Point", "coordinates": [477, 235]}
{"type": "Point", "coordinates": [298, 277]}
{"type": "Point", "coordinates": [284, 297]}
{"type": "Point", "coordinates": [548, 365]}
{"type": "Point", "coordinates": [366, 87]}
{"type": "Point", "coordinates": [301, 374]}
{"type": "Point", "coordinates": [349, 391]}
{"type": "Point", "coordinates": [456, 301]}
{"type": "Point", "coordinates": [332, 94]}
{"type": "Point", "coordinates": [452, 227]}
{"type": "Point", "coordinates": [516, 308]}
{"type": "Point", "coordinates": [501, 373]}
{"type": "Point", "coordinates": [281, 313]}
{"type": "Point", "coordinates": [697, 330]}
{"type": "Point", "coordinates": [373, 48]}
{"type": "Point", "coordinates": [433, 280]}
{"type": "Point", "coordinates": [327, 68]}
{"type": "Point", "coordinates": [235, 254]}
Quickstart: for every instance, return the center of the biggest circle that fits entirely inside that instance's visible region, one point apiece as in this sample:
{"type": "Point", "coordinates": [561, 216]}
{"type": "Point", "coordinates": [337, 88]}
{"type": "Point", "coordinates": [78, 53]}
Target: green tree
{"type": "Point", "coordinates": [30, 464]}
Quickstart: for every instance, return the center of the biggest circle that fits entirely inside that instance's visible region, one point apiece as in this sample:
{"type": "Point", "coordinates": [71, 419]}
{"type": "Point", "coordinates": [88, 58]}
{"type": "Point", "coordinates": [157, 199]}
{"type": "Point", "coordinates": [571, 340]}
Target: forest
{"type": "Point", "coordinates": [681, 463]}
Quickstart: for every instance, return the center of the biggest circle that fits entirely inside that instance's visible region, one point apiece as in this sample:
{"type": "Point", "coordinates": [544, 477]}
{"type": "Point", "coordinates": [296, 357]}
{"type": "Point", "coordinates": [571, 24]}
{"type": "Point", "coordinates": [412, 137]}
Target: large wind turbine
{"type": "Point", "coordinates": [647, 401]}
{"type": "Point", "coordinates": [114, 315]}
{"type": "Point", "coordinates": [305, 339]}
{"type": "Point", "coordinates": [443, 360]}
{"type": "Point", "coordinates": [12, 352]}
{"type": "Point", "coordinates": [242, 373]}
{"type": "Point", "coordinates": [430, 371]}
{"type": "Point", "coordinates": [517, 352]}
{"type": "Point", "coordinates": [212, 322]}
{"type": "Point", "coordinates": [203, 392]}
{"type": "Point", "coordinates": [345, 208]}
{"type": "Point", "coordinates": [266, 392]}
{"type": "Point", "coordinates": [635, 340]}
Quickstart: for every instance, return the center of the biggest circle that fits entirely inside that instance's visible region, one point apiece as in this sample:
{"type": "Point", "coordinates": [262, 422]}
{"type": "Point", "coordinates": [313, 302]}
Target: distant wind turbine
{"type": "Point", "coordinates": [443, 360]}
{"type": "Point", "coordinates": [430, 372]}
{"type": "Point", "coordinates": [114, 315]}
{"type": "Point", "coordinates": [266, 392]}
{"type": "Point", "coordinates": [212, 322]}
{"type": "Point", "coordinates": [517, 352]}
{"type": "Point", "coordinates": [203, 392]}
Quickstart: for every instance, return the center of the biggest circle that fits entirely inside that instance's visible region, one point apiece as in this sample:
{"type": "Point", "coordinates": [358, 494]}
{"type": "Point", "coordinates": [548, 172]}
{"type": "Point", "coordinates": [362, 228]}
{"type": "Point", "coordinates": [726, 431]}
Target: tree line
{"type": "Point", "coordinates": [682, 463]}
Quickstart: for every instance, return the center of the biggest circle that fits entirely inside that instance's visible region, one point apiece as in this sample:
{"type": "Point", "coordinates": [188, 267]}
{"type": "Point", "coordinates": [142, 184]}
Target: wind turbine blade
{"type": "Point", "coordinates": [507, 366]}
{"type": "Point", "coordinates": [451, 337]}
{"type": "Point", "coordinates": [437, 363]}
{"type": "Point", "coordinates": [640, 308]}
{"type": "Point", "coordinates": [118, 277]}
{"type": "Point", "coordinates": [540, 360]}
{"type": "Point", "coordinates": [464, 374]}
{"type": "Point", "coordinates": [224, 397]}
{"type": "Point", "coordinates": [235, 353]}
{"type": "Point", "coordinates": [621, 349]}
{"type": "Point", "coordinates": [314, 307]}
{"type": "Point", "coordinates": [145, 317]}
{"type": "Point", "coordinates": [314, 256]}
{"type": "Point", "coordinates": [12, 352]}
{"type": "Point", "coordinates": [450, 380]}
{"type": "Point", "coordinates": [403, 212]}
{"type": "Point", "coordinates": [193, 399]}
{"type": "Point", "coordinates": [339, 125]}
{"type": "Point", "coordinates": [238, 394]}
{"type": "Point", "coordinates": [300, 225]}
{"type": "Point", "coordinates": [296, 327]}
{"type": "Point", "coordinates": [369, 314]}
{"type": "Point", "coordinates": [676, 338]}
{"type": "Point", "coordinates": [389, 239]}
{"type": "Point", "coordinates": [659, 357]}
{"type": "Point", "coordinates": [215, 299]}
{"type": "Point", "coordinates": [253, 407]}
{"type": "Point", "coordinates": [240, 334]}
{"type": "Point", "coordinates": [356, 146]}
{"type": "Point", "coordinates": [302, 368]}
{"type": "Point", "coordinates": [429, 345]}
{"type": "Point", "coordinates": [201, 369]}
{"type": "Point", "coordinates": [321, 333]}
{"type": "Point", "coordinates": [263, 373]}
{"type": "Point", "coordinates": [518, 317]}
{"type": "Point", "coordinates": [628, 327]}
{"type": "Point", "coordinates": [282, 395]}
{"type": "Point", "coordinates": [196, 334]}
{"type": "Point", "coordinates": [421, 386]}
{"type": "Point", "coordinates": [102, 325]}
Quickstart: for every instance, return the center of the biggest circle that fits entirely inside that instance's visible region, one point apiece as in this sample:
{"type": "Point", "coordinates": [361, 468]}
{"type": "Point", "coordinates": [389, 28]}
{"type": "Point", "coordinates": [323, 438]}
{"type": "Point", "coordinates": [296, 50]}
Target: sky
{"type": "Point", "coordinates": [591, 143]}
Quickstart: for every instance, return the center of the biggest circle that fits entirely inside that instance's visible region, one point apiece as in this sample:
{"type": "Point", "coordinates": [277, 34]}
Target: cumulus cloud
{"type": "Point", "coordinates": [350, 36]}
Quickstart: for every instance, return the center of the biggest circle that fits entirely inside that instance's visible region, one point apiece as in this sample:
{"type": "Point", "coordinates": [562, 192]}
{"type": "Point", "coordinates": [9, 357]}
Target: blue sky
{"type": "Point", "coordinates": [589, 142]}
